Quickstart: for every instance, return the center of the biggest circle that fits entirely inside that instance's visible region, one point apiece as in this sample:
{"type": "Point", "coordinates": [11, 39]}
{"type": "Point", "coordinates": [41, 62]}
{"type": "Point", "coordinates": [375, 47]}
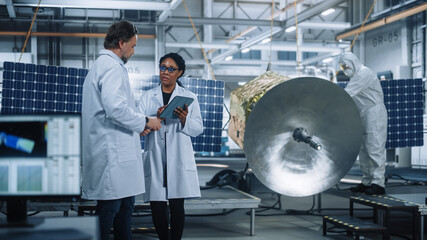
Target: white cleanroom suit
{"type": "Point", "coordinates": [365, 89]}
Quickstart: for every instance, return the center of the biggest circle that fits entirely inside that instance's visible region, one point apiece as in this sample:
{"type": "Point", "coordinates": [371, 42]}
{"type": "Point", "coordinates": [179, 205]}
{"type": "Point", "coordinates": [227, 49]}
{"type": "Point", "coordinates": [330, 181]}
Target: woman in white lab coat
{"type": "Point", "coordinates": [169, 164]}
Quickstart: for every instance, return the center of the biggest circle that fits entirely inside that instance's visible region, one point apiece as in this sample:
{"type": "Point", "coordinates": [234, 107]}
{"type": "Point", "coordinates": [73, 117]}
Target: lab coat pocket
{"type": "Point", "coordinates": [125, 146]}
{"type": "Point", "coordinates": [190, 165]}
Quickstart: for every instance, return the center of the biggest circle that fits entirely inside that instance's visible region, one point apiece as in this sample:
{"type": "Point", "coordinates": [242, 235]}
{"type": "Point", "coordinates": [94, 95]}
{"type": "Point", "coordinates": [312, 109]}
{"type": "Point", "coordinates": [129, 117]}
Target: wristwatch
{"type": "Point", "coordinates": [146, 120]}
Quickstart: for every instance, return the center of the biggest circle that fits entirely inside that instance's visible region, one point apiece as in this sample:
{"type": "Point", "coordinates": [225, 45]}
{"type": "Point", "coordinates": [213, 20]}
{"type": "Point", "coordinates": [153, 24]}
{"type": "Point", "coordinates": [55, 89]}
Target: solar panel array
{"type": "Point", "coordinates": [29, 88]}
{"type": "Point", "coordinates": [404, 103]}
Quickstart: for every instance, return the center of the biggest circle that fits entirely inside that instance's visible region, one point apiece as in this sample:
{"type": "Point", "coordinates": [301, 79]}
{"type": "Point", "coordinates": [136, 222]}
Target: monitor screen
{"type": "Point", "coordinates": [40, 155]}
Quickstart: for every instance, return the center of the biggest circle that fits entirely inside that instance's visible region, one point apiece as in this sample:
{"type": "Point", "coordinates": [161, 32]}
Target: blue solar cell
{"type": "Point", "coordinates": [210, 107]}
{"type": "Point", "coordinates": [73, 71]}
{"type": "Point", "coordinates": [211, 84]}
{"type": "Point", "coordinates": [30, 76]}
{"type": "Point", "coordinates": [41, 69]}
{"type": "Point", "coordinates": [62, 71]}
{"type": "Point", "coordinates": [30, 68]}
{"type": "Point", "coordinates": [52, 70]}
{"type": "Point", "coordinates": [19, 76]}
{"type": "Point", "coordinates": [7, 75]}
{"type": "Point", "coordinates": [82, 73]}
{"type": "Point", "coordinates": [211, 100]}
{"type": "Point", "coordinates": [202, 91]}
{"type": "Point", "coordinates": [19, 67]}
{"type": "Point", "coordinates": [9, 65]}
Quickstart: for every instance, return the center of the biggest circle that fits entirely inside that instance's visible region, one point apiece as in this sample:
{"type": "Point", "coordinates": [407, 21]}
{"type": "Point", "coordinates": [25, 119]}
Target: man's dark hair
{"type": "Point", "coordinates": [178, 60]}
{"type": "Point", "coordinates": [122, 30]}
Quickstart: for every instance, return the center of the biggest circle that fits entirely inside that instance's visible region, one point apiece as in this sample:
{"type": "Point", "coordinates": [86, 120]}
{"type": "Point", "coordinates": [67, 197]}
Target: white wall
{"type": "Point", "coordinates": [386, 49]}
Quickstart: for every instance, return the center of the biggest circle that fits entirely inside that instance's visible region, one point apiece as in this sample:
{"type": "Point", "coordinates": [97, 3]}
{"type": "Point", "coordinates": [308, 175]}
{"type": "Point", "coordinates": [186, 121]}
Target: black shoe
{"type": "Point", "coordinates": [360, 188]}
{"type": "Point", "coordinates": [375, 189]}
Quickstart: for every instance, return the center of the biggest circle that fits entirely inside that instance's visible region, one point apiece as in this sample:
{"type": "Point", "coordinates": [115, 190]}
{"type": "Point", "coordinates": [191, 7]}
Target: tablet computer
{"type": "Point", "coordinates": [177, 101]}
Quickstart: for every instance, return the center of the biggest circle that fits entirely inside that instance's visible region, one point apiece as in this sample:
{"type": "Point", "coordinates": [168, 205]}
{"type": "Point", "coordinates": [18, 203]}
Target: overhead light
{"type": "Point", "coordinates": [290, 29]}
{"type": "Point", "coordinates": [245, 50]}
{"type": "Point", "coordinates": [327, 12]}
{"type": "Point", "coordinates": [241, 83]}
{"type": "Point", "coordinates": [266, 40]}
{"type": "Point", "coordinates": [340, 40]}
{"type": "Point", "coordinates": [327, 60]}
{"type": "Point", "coordinates": [228, 58]}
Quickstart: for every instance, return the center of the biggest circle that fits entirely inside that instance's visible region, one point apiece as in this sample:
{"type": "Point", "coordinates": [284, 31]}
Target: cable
{"type": "Point", "coordinates": [198, 39]}
{"type": "Point", "coordinates": [271, 35]}
{"type": "Point", "coordinates": [29, 31]}
{"type": "Point", "coordinates": [296, 33]}
{"type": "Point", "coordinates": [357, 35]}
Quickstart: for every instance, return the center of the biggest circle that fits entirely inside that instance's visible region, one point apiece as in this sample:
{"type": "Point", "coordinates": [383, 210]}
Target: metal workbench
{"type": "Point", "coordinates": [226, 197]}
{"type": "Point", "coordinates": [420, 200]}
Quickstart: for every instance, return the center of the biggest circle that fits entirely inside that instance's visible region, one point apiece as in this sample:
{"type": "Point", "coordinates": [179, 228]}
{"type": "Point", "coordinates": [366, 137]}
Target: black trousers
{"type": "Point", "coordinates": [160, 215]}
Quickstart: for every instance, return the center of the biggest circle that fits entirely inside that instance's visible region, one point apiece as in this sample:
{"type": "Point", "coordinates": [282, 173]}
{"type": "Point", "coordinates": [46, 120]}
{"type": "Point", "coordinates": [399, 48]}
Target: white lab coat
{"type": "Point", "coordinates": [171, 147]}
{"type": "Point", "coordinates": [365, 89]}
{"type": "Point", "coordinates": [112, 164]}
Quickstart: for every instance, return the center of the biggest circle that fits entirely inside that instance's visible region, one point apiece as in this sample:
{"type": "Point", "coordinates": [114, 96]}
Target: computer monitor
{"type": "Point", "coordinates": [40, 157]}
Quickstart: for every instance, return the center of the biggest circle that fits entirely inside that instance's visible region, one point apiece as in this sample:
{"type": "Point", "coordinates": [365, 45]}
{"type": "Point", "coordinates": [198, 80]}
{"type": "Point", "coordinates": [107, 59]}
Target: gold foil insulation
{"type": "Point", "coordinates": [244, 99]}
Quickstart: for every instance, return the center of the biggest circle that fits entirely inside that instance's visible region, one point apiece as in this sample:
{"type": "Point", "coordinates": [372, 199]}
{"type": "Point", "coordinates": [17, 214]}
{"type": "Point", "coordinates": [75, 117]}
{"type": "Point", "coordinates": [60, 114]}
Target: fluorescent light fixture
{"type": "Point", "coordinates": [245, 50]}
{"type": "Point", "coordinates": [265, 40]}
{"type": "Point", "coordinates": [327, 60]}
{"type": "Point", "coordinates": [228, 58]}
{"type": "Point", "coordinates": [241, 83]}
{"type": "Point", "coordinates": [327, 12]}
{"type": "Point", "coordinates": [290, 29]}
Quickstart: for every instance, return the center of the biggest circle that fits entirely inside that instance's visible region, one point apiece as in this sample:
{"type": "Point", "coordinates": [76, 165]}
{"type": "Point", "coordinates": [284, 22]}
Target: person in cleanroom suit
{"type": "Point", "coordinates": [365, 89]}
{"type": "Point", "coordinates": [112, 171]}
{"type": "Point", "coordinates": [169, 164]}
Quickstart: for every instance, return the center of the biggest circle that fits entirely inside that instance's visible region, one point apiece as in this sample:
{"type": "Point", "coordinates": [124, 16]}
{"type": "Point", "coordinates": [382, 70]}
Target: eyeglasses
{"type": "Point", "coordinates": [170, 69]}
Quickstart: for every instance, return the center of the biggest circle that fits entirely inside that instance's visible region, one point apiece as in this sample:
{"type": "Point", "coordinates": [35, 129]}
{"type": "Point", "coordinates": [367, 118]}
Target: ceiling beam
{"type": "Point", "coordinates": [384, 21]}
{"type": "Point", "coordinates": [183, 21]}
{"type": "Point", "coordinates": [248, 62]}
{"type": "Point", "coordinates": [303, 16]}
{"type": "Point", "coordinates": [167, 12]}
{"type": "Point", "coordinates": [64, 34]}
{"type": "Point", "coordinates": [95, 4]}
{"type": "Point", "coordinates": [276, 46]}
{"type": "Point", "coordinates": [10, 9]}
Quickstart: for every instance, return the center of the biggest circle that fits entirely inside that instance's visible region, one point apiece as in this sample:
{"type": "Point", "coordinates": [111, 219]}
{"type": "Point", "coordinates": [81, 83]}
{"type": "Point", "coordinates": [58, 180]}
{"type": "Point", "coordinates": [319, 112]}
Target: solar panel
{"type": "Point", "coordinates": [29, 88]}
{"type": "Point", "coordinates": [404, 103]}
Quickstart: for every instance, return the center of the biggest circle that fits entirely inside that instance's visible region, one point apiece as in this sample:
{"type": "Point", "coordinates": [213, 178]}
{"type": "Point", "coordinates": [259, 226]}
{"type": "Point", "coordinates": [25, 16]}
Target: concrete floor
{"type": "Point", "coordinates": [292, 221]}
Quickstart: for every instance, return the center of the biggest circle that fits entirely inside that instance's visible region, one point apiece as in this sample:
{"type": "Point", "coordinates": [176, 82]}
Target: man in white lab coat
{"type": "Point", "coordinates": [112, 168]}
{"type": "Point", "coordinates": [365, 89]}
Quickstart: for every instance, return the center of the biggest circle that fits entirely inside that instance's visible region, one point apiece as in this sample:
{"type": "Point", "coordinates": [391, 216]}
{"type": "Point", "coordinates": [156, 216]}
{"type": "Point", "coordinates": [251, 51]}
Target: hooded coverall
{"type": "Point", "coordinates": [365, 89]}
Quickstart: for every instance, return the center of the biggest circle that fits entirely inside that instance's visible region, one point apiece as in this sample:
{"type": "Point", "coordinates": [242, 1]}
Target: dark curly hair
{"type": "Point", "coordinates": [123, 30]}
{"type": "Point", "coordinates": [178, 60]}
